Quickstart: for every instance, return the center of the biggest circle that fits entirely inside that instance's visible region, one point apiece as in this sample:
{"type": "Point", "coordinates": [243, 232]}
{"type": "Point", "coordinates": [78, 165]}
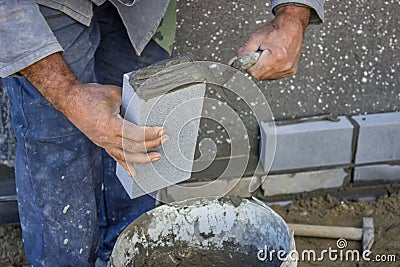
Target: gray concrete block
{"type": "Point", "coordinates": [379, 138]}
{"type": "Point", "coordinates": [179, 112]}
{"type": "Point", "coordinates": [303, 182]}
{"type": "Point", "coordinates": [383, 172]}
{"type": "Point", "coordinates": [220, 187]}
{"type": "Point", "coordinates": [309, 144]}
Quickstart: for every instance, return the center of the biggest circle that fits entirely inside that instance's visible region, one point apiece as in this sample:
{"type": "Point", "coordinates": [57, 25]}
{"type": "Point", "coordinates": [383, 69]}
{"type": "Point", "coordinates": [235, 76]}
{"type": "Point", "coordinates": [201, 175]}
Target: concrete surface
{"type": "Point", "coordinates": [378, 138]}
{"type": "Point", "coordinates": [349, 64]}
{"type": "Point", "coordinates": [381, 173]}
{"type": "Point", "coordinates": [220, 187]}
{"type": "Point", "coordinates": [311, 144]}
{"type": "Point", "coordinates": [179, 112]}
{"type": "Point", "coordinates": [303, 181]}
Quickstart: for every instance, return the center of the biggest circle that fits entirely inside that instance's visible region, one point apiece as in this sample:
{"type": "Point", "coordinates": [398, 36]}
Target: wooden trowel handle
{"type": "Point", "coordinates": [306, 230]}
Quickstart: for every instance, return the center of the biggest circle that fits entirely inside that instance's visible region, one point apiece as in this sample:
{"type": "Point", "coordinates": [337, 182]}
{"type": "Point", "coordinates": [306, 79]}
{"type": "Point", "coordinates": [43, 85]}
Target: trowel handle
{"type": "Point", "coordinates": [247, 61]}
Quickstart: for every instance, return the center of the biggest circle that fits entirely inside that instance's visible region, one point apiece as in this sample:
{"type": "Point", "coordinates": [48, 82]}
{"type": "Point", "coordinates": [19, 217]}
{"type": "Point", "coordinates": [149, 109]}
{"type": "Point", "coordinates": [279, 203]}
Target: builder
{"type": "Point", "coordinates": [70, 57]}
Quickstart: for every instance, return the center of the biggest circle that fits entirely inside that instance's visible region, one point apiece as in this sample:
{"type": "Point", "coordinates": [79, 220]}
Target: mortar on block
{"type": "Point", "coordinates": [159, 95]}
{"type": "Point", "coordinates": [217, 232]}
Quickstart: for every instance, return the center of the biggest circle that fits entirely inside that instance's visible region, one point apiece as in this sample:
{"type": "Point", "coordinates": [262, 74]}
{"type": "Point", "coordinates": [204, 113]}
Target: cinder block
{"type": "Point", "coordinates": [379, 137]}
{"type": "Point", "coordinates": [303, 182]}
{"type": "Point", "coordinates": [309, 144]}
{"type": "Point", "coordinates": [220, 187]}
{"type": "Point", "coordinates": [179, 111]}
{"type": "Point", "coordinates": [383, 172]}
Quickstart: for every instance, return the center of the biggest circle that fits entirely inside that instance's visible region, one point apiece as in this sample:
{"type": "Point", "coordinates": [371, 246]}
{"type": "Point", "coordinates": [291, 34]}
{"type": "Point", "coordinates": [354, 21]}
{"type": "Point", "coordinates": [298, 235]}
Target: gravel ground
{"type": "Point", "coordinates": [11, 246]}
{"type": "Point", "coordinates": [330, 211]}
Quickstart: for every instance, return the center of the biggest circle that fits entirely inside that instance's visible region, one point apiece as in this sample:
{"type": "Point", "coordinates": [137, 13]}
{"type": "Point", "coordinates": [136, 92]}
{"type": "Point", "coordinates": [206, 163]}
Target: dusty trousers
{"type": "Point", "coordinates": [72, 206]}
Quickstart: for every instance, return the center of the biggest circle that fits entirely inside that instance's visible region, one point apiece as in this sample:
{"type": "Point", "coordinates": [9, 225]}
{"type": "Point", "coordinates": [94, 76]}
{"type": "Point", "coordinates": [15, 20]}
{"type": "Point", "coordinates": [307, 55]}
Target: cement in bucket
{"type": "Point", "coordinates": [205, 232]}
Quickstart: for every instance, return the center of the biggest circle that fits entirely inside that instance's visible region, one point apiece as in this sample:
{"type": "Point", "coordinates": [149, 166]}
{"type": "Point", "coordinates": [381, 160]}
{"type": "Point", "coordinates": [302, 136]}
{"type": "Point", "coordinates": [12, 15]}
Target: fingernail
{"type": "Point", "coordinates": [161, 133]}
{"type": "Point", "coordinates": [164, 139]}
{"type": "Point", "coordinates": [155, 159]}
{"type": "Point", "coordinates": [232, 60]}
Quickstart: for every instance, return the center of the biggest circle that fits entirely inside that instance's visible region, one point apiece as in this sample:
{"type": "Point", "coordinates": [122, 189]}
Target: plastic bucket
{"type": "Point", "coordinates": [206, 232]}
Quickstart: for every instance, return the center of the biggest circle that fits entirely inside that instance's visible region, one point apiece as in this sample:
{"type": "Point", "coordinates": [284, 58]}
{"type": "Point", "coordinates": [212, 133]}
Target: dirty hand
{"type": "Point", "coordinates": [94, 109]}
{"type": "Point", "coordinates": [280, 40]}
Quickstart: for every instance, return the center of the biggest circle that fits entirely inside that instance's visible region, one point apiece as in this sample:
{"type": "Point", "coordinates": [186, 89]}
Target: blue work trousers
{"type": "Point", "coordinates": [72, 206]}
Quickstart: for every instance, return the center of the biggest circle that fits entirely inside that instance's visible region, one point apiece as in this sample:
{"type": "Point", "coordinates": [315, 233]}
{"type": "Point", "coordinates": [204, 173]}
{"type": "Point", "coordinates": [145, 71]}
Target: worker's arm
{"type": "Point", "coordinates": [94, 109]}
{"type": "Point", "coordinates": [29, 46]}
{"type": "Point", "coordinates": [281, 39]}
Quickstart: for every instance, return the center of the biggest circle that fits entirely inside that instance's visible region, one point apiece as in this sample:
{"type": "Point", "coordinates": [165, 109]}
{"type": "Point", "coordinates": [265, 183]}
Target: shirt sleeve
{"type": "Point", "coordinates": [317, 8]}
{"type": "Point", "coordinates": [25, 36]}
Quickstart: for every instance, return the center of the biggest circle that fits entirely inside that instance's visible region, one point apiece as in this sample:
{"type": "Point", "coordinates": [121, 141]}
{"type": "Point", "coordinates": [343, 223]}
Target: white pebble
{"type": "Point", "coordinates": [66, 209]}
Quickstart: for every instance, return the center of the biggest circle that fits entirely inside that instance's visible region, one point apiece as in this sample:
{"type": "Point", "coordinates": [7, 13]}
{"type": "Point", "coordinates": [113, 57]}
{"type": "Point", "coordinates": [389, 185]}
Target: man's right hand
{"type": "Point", "coordinates": [94, 109]}
{"type": "Point", "coordinates": [280, 40]}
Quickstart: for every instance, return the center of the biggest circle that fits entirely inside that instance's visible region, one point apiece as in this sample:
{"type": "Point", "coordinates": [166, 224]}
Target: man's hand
{"type": "Point", "coordinates": [281, 41]}
{"type": "Point", "coordinates": [94, 109]}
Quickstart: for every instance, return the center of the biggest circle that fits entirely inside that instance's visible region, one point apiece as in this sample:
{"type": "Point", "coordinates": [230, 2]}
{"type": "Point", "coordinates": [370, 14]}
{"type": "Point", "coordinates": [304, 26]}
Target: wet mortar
{"type": "Point", "coordinates": [183, 255]}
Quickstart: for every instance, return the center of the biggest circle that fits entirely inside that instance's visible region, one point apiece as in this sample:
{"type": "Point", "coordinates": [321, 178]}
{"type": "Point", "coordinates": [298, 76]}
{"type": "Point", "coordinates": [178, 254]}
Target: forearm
{"type": "Point", "coordinates": [293, 14]}
{"type": "Point", "coordinates": [53, 78]}
{"type": "Point", "coordinates": [95, 110]}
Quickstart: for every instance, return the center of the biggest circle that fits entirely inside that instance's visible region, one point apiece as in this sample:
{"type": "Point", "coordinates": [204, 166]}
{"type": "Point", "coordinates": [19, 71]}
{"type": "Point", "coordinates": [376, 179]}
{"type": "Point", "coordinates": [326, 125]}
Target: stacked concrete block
{"type": "Point", "coordinates": [378, 138]}
{"type": "Point", "coordinates": [310, 144]}
{"type": "Point", "coordinates": [303, 181]}
{"type": "Point", "coordinates": [179, 111]}
{"type": "Point", "coordinates": [323, 145]}
{"type": "Point", "coordinates": [376, 174]}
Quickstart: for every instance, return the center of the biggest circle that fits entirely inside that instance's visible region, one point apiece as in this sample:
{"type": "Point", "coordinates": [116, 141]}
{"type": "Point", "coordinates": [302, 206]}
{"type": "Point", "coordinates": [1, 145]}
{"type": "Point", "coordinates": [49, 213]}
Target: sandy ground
{"type": "Point", "coordinates": [330, 211]}
{"type": "Point", "coordinates": [319, 210]}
